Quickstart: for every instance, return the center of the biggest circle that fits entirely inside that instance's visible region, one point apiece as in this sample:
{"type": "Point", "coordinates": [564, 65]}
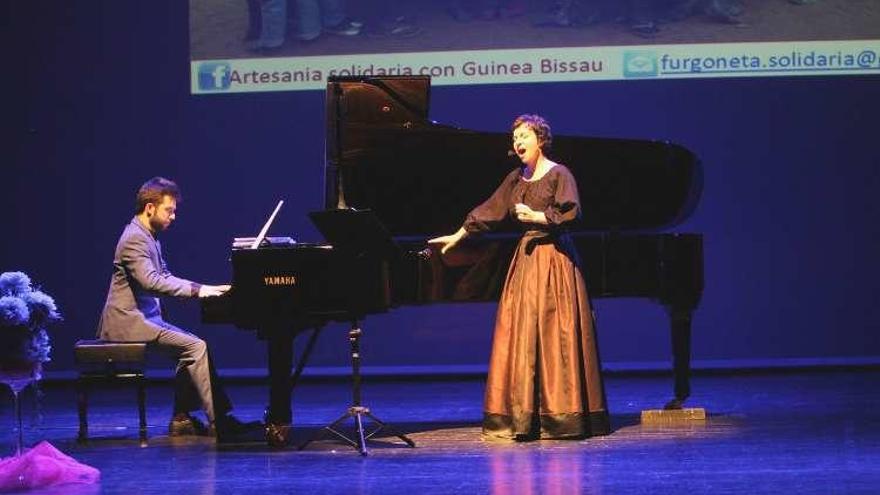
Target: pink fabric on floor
{"type": "Point", "coordinates": [43, 466]}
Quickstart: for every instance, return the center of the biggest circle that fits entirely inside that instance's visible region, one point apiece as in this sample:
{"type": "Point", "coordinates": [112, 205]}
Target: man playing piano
{"type": "Point", "coordinates": [132, 312]}
{"type": "Point", "coordinates": [544, 375]}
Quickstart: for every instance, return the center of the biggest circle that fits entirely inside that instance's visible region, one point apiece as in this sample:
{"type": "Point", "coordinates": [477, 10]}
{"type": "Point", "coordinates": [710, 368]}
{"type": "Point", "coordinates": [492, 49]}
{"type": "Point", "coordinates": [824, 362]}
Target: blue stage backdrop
{"type": "Point", "coordinates": [97, 100]}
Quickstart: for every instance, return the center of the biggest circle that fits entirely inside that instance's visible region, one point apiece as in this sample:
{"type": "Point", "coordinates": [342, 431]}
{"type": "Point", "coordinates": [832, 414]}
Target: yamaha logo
{"type": "Point", "coordinates": [279, 280]}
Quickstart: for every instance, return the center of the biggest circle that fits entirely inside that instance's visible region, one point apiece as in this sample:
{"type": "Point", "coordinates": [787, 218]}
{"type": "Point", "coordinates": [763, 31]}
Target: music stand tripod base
{"type": "Point", "coordinates": [357, 411]}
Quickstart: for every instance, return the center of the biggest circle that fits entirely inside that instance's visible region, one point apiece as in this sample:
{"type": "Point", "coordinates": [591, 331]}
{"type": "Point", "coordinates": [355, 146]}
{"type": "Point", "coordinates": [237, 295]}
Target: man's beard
{"type": "Point", "coordinates": [157, 226]}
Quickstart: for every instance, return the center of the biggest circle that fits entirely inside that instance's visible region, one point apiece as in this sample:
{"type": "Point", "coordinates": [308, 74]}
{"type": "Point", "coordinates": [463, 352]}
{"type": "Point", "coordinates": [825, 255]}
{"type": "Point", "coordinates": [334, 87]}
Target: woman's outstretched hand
{"type": "Point", "coordinates": [447, 242]}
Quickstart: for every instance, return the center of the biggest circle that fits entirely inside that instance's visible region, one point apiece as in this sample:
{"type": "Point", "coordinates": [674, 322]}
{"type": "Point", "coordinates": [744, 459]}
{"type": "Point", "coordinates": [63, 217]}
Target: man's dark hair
{"type": "Point", "coordinates": [153, 191]}
{"type": "Point", "coordinates": [539, 126]}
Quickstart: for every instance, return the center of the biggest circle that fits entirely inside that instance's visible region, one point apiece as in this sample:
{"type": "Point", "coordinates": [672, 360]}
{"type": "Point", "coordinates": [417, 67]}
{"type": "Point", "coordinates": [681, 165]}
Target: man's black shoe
{"type": "Point", "coordinates": [228, 429]}
{"type": "Point", "coordinates": [182, 424]}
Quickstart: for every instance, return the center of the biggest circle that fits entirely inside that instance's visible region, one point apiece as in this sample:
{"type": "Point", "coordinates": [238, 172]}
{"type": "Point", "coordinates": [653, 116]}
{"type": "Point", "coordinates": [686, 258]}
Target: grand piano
{"type": "Point", "coordinates": [383, 154]}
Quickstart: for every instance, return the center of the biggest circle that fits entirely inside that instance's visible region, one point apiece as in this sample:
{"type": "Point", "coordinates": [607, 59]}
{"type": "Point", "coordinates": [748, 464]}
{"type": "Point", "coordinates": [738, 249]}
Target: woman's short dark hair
{"type": "Point", "coordinates": [153, 191]}
{"type": "Point", "coordinates": [538, 125]}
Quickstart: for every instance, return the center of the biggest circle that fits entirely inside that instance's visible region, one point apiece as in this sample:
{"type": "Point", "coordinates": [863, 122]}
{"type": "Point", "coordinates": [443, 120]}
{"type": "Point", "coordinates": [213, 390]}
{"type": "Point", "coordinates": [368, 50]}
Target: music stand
{"type": "Point", "coordinates": [356, 233]}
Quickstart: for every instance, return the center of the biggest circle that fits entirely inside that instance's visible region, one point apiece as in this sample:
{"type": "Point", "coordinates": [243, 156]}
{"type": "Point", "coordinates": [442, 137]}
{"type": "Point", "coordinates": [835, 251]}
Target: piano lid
{"type": "Point", "coordinates": [422, 178]}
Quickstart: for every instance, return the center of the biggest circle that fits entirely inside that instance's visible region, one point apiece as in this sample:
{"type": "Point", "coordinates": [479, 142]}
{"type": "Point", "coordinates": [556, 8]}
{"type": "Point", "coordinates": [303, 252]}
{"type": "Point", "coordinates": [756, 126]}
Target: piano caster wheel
{"type": "Point", "coordinates": [278, 435]}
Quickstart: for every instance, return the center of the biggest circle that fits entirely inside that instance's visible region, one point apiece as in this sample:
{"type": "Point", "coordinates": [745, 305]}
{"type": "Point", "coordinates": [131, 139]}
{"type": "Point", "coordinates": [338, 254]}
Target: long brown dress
{"type": "Point", "coordinates": [544, 374]}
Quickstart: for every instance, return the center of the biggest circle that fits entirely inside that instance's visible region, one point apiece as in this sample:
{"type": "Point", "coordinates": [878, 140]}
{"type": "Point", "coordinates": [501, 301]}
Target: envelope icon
{"type": "Point", "coordinates": [639, 64]}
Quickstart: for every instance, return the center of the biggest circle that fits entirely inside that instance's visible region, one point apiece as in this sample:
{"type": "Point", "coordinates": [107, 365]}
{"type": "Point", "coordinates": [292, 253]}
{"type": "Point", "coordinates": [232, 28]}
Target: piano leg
{"type": "Point", "coordinates": [680, 324]}
{"type": "Point", "coordinates": [279, 415]}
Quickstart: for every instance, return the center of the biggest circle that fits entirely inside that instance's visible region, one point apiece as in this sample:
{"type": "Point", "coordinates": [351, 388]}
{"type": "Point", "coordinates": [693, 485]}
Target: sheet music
{"type": "Point", "coordinates": [246, 242]}
{"type": "Point", "coordinates": [265, 229]}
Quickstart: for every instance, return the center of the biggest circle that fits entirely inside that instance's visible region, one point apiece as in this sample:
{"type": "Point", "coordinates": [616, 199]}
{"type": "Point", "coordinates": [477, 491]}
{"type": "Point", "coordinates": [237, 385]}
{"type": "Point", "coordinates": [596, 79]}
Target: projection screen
{"type": "Point", "coordinates": [286, 45]}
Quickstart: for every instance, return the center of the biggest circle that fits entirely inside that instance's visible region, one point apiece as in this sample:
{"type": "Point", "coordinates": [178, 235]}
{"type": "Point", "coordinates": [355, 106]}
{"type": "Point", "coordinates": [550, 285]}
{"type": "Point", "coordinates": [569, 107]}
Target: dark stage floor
{"type": "Point", "coordinates": [816, 432]}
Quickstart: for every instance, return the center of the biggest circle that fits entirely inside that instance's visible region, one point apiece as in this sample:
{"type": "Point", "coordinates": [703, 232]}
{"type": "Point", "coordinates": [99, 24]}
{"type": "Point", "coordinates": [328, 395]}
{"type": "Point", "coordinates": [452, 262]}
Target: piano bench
{"type": "Point", "coordinates": [100, 361]}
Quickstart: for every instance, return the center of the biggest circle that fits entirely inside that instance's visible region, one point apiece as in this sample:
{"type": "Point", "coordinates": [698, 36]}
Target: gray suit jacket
{"type": "Point", "coordinates": [132, 311]}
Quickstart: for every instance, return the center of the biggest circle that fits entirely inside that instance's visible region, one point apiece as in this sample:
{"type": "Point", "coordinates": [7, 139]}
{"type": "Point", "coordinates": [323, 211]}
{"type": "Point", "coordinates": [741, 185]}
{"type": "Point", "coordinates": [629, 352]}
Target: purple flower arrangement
{"type": "Point", "coordinates": [25, 313]}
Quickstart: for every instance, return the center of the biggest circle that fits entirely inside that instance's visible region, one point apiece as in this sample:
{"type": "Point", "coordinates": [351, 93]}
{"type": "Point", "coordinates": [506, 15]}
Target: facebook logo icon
{"type": "Point", "coordinates": [214, 76]}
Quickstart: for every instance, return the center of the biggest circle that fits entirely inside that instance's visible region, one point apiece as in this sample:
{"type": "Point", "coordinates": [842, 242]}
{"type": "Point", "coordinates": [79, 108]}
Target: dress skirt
{"type": "Point", "coordinates": [544, 373]}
